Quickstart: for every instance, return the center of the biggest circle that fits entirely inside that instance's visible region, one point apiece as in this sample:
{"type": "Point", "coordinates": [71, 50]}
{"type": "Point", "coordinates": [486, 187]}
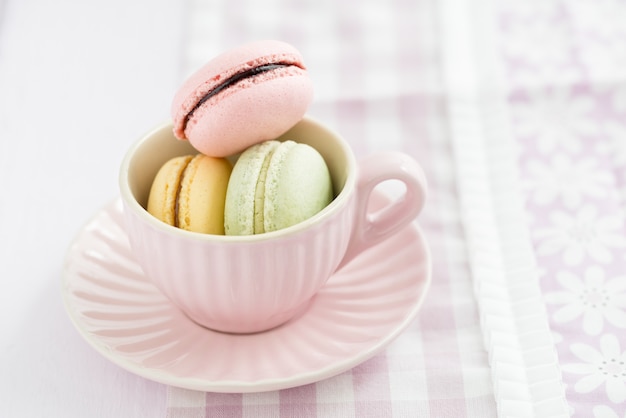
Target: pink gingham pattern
{"type": "Point", "coordinates": [377, 82]}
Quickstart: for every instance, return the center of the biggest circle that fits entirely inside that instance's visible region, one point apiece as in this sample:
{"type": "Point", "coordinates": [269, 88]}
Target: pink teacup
{"type": "Point", "coordinates": [253, 283]}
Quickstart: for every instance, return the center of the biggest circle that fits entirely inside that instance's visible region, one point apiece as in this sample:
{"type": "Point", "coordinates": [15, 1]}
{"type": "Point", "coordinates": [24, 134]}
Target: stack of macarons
{"type": "Point", "coordinates": [233, 108]}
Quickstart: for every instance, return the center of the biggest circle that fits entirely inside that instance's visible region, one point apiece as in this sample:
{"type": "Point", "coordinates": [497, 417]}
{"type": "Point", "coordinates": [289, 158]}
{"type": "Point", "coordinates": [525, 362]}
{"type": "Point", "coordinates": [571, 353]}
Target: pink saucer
{"type": "Point", "coordinates": [362, 308]}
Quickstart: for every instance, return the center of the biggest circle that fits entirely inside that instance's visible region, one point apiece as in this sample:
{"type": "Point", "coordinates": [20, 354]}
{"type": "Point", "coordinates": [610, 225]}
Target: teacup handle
{"type": "Point", "coordinates": [372, 228]}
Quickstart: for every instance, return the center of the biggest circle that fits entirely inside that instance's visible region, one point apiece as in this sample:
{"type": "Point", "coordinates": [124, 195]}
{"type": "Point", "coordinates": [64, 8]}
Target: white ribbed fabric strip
{"type": "Point", "coordinates": [525, 370]}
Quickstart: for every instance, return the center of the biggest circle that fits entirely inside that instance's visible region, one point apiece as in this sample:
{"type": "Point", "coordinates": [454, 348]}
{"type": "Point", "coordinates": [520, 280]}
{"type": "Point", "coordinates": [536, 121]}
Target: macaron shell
{"type": "Point", "coordinates": [242, 198]}
{"type": "Point", "coordinates": [256, 109]}
{"type": "Point", "coordinates": [253, 112]}
{"type": "Point", "coordinates": [297, 186]}
{"type": "Point", "coordinates": [259, 193]}
{"type": "Point", "coordinates": [202, 194]}
{"type": "Point", "coordinates": [164, 189]}
{"type": "Point", "coordinates": [221, 67]}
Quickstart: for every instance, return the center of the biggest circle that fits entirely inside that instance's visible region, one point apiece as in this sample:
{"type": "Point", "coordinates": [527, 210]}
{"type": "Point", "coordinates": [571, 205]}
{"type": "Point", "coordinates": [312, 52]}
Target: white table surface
{"type": "Point", "coordinates": [79, 81]}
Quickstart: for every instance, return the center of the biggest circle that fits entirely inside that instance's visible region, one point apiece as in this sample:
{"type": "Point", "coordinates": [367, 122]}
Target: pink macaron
{"type": "Point", "coordinates": [244, 96]}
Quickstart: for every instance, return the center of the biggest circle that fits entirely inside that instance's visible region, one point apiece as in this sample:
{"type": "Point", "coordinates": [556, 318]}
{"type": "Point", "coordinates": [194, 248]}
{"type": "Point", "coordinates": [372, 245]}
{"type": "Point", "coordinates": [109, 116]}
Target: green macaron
{"type": "Point", "coordinates": [274, 185]}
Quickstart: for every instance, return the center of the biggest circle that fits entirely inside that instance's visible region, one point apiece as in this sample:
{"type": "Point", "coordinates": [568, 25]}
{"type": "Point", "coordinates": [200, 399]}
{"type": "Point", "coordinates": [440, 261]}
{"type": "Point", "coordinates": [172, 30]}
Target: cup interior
{"type": "Point", "coordinates": [146, 157]}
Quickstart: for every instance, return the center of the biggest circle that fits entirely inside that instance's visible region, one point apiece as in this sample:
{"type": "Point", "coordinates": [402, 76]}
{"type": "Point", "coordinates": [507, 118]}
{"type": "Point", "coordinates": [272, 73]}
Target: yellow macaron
{"type": "Point", "coordinates": [189, 192]}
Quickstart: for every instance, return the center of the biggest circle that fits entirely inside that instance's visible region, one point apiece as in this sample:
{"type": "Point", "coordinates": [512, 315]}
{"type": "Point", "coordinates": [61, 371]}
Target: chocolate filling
{"type": "Point", "coordinates": [234, 79]}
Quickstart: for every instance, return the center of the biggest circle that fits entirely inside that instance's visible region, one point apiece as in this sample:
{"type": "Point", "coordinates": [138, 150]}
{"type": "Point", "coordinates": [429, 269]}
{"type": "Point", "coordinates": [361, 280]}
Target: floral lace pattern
{"type": "Point", "coordinates": [564, 62]}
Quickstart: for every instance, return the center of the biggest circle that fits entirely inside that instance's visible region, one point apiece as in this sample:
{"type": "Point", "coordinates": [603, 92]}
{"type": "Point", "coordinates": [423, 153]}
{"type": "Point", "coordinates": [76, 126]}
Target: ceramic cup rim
{"type": "Point", "coordinates": [341, 199]}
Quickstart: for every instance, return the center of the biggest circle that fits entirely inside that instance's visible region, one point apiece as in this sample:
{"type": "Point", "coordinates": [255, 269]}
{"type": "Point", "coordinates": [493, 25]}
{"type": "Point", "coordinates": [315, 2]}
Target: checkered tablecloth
{"type": "Point", "coordinates": [377, 76]}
